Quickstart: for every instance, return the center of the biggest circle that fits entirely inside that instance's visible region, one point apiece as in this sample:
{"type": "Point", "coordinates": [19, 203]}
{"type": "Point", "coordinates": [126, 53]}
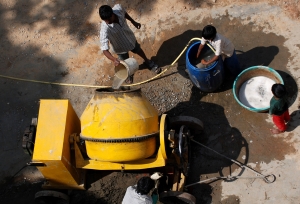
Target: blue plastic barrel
{"type": "Point", "coordinates": [206, 79]}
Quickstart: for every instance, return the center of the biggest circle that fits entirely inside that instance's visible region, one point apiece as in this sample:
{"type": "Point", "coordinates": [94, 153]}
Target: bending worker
{"type": "Point", "coordinates": [114, 30]}
{"type": "Point", "coordinates": [222, 46]}
{"type": "Point", "coordinates": [138, 194]}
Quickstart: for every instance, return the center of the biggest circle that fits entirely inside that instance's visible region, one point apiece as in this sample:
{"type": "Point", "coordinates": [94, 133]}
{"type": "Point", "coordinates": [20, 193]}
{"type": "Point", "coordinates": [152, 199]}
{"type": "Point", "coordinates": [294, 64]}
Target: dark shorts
{"type": "Point", "coordinates": [136, 49]}
{"type": "Point", "coordinates": [233, 65]}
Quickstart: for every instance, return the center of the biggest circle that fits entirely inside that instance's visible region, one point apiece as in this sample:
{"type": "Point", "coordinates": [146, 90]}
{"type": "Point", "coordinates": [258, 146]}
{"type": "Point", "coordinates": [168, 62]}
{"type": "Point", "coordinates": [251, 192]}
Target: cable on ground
{"type": "Point", "coordinates": [95, 86]}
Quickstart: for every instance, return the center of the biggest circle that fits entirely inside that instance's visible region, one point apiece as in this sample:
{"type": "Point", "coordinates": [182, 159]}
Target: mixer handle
{"type": "Point", "coordinates": [184, 149]}
{"type": "Point", "coordinates": [216, 72]}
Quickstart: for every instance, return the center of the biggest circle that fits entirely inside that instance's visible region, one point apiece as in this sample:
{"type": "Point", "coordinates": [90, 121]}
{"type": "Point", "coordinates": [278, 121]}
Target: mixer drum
{"type": "Point", "coordinates": [119, 126]}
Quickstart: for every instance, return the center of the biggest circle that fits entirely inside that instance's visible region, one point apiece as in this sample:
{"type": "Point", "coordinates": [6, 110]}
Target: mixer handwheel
{"type": "Point", "coordinates": [184, 149]}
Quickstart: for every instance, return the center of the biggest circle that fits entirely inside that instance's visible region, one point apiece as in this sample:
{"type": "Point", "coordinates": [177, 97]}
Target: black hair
{"type": "Point", "coordinates": [209, 32]}
{"type": "Point", "coordinates": [144, 185]}
{"type": "Point", "coordinates": [279, 90]}
{"type": "Point", "coordinates": [105, 12]}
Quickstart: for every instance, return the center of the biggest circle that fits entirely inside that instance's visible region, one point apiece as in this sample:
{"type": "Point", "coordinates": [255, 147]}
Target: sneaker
{"type": "Point", "coordinates": [129, 80]}
{"type": "Point", "coordinates": [154, 67]}
{"type": "Point", "coordinates": [157, 70]}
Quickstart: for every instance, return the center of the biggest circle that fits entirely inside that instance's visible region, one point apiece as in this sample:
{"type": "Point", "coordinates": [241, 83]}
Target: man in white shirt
{"type": "Point", "coordinates": [114, 30]}
{"type": "Point", "coordinates": [222, 46]}
{"type": "Point", "coordinates": [138, 194]}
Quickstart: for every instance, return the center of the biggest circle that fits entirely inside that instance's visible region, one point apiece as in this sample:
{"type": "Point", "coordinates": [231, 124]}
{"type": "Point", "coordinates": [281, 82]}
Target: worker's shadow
{"type": "Point", "coordinates": [257, 56]}
{"type": "Point", "coordinates": [217, 135]}
{"type": "Point", "coordinates": [294, 122]}
{"type": "Point", "coordinates": [254, 57]}
{"type": "Point", "coordinates": [171, 49]}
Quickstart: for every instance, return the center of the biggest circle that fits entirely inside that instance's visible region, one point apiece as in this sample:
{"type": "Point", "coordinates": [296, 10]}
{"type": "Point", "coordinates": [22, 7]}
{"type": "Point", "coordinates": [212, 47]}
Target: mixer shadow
{"type": "Point", "coordinates": [218, 135]}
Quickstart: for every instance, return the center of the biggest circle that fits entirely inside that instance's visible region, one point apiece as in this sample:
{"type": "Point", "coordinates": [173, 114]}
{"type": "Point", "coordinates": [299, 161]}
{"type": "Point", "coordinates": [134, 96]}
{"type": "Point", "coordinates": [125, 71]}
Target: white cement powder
{"type": "Point", "coordinates": [256, 92]}
{"type": "Point", "coordinates": [119, 78]}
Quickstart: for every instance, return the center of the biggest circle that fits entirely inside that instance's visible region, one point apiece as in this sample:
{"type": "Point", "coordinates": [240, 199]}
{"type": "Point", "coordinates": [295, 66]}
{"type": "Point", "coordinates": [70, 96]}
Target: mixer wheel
{"type": "Point", "coordinates": [51, 196]}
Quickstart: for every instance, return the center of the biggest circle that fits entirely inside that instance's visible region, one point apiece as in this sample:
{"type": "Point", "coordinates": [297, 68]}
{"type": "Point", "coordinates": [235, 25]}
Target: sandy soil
{"type": "Point", "coordinates": [58, 41]}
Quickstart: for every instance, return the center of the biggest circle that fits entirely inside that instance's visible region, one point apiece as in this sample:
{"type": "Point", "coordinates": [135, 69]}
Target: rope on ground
{"type": "Point", "coordinates": [95, 86]}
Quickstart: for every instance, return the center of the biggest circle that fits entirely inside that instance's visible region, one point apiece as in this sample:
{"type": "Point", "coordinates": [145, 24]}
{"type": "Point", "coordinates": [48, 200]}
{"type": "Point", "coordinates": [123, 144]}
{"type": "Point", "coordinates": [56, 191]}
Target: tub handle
{"type": "Point", "coordinates": [216, 72]}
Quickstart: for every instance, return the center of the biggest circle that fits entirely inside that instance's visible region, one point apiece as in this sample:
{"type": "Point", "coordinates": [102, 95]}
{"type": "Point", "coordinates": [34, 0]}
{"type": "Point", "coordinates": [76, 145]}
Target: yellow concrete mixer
{"type": "Point", "coordinates": [118, 130]}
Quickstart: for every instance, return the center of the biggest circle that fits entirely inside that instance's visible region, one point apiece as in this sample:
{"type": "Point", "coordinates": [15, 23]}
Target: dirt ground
{"type": "Point", "coordinates": [58, 41]}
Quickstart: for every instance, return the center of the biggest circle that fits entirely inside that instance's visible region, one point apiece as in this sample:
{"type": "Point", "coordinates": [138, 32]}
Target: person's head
{"type": "Point", "coordinates": [106, 14]}
{"type": "Point", "coordinates": [144, 185]}
{"type": "Point", "coordinates": [209, 32]}
{"type": "Point", "coordinates": [278, 90]}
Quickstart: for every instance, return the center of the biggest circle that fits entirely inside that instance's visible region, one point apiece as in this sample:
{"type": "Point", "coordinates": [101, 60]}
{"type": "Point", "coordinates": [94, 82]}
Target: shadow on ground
{"type": "Point", "coordinates": [217, 135]}
{"type": "Point", "coordinates": [290, 85]}
{"type": "Point", "coordinates": [294, 122]}
{"type": "Point", "coordinates": [257, 56]}
{"type": "Point", "coordinates": [171, 48]}
{"type": "Point", "coordinates": [20, 100]}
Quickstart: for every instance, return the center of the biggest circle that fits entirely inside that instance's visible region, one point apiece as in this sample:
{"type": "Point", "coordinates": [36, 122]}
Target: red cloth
{"type": "Point", "coordinates": [280, 120]}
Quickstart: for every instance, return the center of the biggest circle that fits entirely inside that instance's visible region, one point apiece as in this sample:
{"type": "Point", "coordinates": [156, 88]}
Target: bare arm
{"type": "Point", "coordinates": [107, 54]}
{"type": "Point", "coordinates": [136, 24]}
{"type": "Point", "coordinates": [199, 50]}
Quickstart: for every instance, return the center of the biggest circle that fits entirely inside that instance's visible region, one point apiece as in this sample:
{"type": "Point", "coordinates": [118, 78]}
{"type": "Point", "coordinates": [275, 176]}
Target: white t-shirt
{"type": "Point", "coordinates": [132, 197]}
{"type": "Point", "coordinates": [221, 44]}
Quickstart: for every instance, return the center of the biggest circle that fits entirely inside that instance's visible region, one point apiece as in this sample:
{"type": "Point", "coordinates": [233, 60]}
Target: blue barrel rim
{"type": "Point", "coordinates": [196, 68]}
{"type": "Point", "coordinates": [246, 70]}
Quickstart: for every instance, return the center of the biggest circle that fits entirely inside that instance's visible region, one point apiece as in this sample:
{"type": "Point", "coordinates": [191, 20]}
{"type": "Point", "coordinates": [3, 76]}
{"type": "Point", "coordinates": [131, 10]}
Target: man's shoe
{"type": "Point", "coordinates": [129, 80]}
{"type": "Point", "coordinates": [153, 67]}
{"type": "Point", "coordinates": [157, 70]}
